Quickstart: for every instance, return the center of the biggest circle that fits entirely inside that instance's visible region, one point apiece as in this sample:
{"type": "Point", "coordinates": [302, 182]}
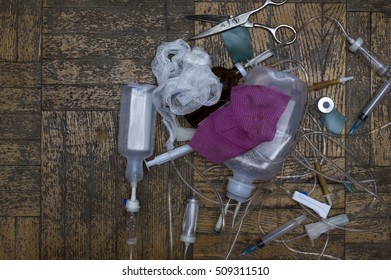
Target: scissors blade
{"type": "Point", "coordinates": [225, 25]}
{"type": "Point", "coordinates": [208, 18]}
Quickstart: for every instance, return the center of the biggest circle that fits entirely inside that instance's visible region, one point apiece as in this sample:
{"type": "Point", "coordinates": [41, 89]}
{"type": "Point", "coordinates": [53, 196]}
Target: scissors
{"type": "Point", "coordinates": [243, 20]}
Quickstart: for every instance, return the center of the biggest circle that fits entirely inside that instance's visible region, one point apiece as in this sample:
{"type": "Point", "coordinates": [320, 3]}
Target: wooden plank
{"type": "Point", "coordinates": [53, 186]}
{"type": "Point", "coordinates": [27, 238]}
{"type": "Point", "coordinates": [105, 20]}
{"type": "Point", "coordinates": [103, 132]}
{"type": "Point", "coordinates": [20, 74]}
{"type": "Point", "coordinates": [93, 72]}
{"type": "Point", "coordinates": [20, 204]}
{"type": "Point", "coordinates": [358, 90]}
{"type": "Point", "coordinates": [21, 152]}
{"type": "Point", "coordinates": [368, 218]}
{"type": "Point", "coordinates": [20, 100]}
{"type": "Point", "coordinates": [368, 251]}
{"type": "Point", "coordinates": [110, 45]}
{"type": "Point", "coordinates": [90, 205]}
{"type": "Point", "coordinates": [20, 127]}
{"type": "Point", "coordinates": [8, 42]}
{"type": "Point", "coordinates": [79, 185]}
{"type": "Point", "coordinates": [19, 178]}
{"type": "Point", "coordinates": [372, 6]}
{"type": "Point", "coordinates": [381, 23]}
{"type": "Point", "coordinates": [177, 25]}
{"type": "Point", "coordinates": [100, 97]}
{"type": "Point", "coordinates": [29, 30]}
{"type": "Point", "coordinates": [87, 3]}
{"type": "Point", "coordinates": [7, 238]}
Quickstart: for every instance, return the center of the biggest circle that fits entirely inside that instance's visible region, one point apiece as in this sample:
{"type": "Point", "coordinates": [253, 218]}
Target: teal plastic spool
{"type": "Point", "coordinates": [333, 121]}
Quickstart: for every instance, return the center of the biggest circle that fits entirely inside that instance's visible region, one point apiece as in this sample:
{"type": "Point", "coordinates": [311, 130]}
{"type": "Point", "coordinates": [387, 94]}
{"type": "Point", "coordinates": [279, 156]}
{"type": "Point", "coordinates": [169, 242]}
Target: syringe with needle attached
{"type": "Point", "coordinates": [371, 105]}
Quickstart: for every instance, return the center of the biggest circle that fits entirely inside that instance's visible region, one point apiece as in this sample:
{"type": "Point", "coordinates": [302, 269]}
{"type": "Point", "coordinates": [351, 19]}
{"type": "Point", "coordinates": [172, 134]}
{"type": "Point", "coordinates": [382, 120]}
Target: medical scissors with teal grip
{"type": "Point", "coordinates": [243, 20]}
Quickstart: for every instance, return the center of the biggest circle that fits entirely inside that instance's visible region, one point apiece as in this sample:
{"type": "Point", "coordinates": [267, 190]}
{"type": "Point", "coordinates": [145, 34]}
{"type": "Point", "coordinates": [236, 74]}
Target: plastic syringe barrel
{"type": "Point", "coordinates": [170, 155]}
{"type": "Point", "coordinates": [190, 221]}
{"type": "Point", "coordinates": [285, 228]}
{"type": "Point", "coordinates": [376, 63]}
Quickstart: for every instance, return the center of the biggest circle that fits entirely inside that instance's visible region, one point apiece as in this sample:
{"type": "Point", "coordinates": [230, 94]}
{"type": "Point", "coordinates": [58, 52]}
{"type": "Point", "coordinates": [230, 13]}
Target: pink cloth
{"type": "Point", "coordinates": [249, 119]}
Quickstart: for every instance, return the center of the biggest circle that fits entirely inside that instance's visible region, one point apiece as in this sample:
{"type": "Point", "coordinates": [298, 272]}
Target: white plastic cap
{"type": "Point", "coordinates": [356, 45]}
{"type": "Point", "coordinates": [189, 239]}
{"type": "Point", "coordinates": [316, 229]}
{"type": "Point", "coordinates": [237, 190]}
{"type": "Point", "coordinates": [132, 205]}
{"type": "Point", "coordinates": [322, 209]}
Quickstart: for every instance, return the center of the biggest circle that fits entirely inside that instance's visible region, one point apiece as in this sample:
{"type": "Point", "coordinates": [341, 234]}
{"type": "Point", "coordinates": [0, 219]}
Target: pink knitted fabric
{"type": "Point", "coordinates": [248, 120]}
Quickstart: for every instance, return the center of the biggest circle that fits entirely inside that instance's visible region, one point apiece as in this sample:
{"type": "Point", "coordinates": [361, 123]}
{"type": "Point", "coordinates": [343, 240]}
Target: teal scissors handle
{"type": "Point", "coordinates": [235, 21]}
{"type": "Point", "coordinates": [277, 30]}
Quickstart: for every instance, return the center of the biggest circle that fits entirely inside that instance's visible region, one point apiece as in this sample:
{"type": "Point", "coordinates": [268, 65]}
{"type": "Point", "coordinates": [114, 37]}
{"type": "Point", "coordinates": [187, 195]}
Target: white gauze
{"type": "Point", "coordinates": [185, 83]}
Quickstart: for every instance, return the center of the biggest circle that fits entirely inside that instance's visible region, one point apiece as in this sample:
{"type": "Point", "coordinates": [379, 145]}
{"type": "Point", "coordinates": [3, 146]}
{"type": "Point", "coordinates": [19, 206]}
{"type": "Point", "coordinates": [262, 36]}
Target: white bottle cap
{"type": "Point", "coordinates": [237, 190]}
{"type": "Point", "coordinates": [132, 205]}
{"type": "Point", "coordinates": [322, 209]}
{"type": "Point", "coordinates": [316, 229]}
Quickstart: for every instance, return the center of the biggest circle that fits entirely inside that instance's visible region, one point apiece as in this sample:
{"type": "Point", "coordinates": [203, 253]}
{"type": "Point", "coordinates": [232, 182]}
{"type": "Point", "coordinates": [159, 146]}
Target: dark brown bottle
{"type": "Point", "coordinates": [229, 78]}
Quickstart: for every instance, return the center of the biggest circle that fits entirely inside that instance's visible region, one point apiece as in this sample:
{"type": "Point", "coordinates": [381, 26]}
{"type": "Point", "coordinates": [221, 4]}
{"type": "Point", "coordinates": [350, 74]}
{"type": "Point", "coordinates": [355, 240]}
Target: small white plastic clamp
{"type": "Point", "coordinates": [322, 209]}
{"type": "Point", "coordinates": [356, 44]}
{"type": "Point", "coordinates": [132, 205]}
{"type": "Point", "coordinates": [314, 230]}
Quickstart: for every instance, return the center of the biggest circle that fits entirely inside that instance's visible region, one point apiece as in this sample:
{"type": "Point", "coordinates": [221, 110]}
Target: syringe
{"type": "Point", "coordinates": [268, 238]}
{"type": "Point", "coordinates": [367, 110]}
{"type": "Point", "coordinates": [379, 66]}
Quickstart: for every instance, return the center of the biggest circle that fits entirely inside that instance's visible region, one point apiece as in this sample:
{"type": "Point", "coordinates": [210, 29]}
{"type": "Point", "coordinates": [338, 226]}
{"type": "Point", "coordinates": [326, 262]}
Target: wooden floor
{"type": "Point", "coordinates": [62, 65]}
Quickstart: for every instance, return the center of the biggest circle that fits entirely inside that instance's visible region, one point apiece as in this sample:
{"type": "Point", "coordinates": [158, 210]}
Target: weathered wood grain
{"type": "Point", "coordinates": [20, 126]}
{"type": "Point", "coordinates": [359, 90]}
{"type": "Point", "coordinates": [20, 100]}
{"type": "Point", "coordinates": [105, 20]}
{"type": "Point", "coordinates": [100, 97]}
{"type": "Point", "coordinates": [368, 251]}
{"type": "Point", "coordinates": [20, 204]}
{"type": "Point", "coordinates": [20, 75]}
{"type": "Point", "coordinates": [89, 200]}
{"type": "Point", "coordinates": [8, 21]}
{"type": "Point", "coordinates": [53, 186]}
{"type": "Point", "coordinates": [380, 23]}
{"type": "Point", "coordinates": [21, 152]}
{"type": "Point", "coordinates": [372, 6]}
{"type": "Point", "coordinates": [91, 3]}
{"type": "Point", "coordinates": [20, 178]}
{"type": "Point", "coordinates": [27, 238]}
{"type": "Point", "coordinates": [95, 71]}
{"type": "Point", "coordinates": [107, 45]}
{"type": "Point", "coordinates": [29, 30]}
{"type": "Point", "coordinates": [19, 238]}
{"type": "Point", "coordinates": [103, 187]}
{"type": "Point", "coordinates": [7, 238]}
